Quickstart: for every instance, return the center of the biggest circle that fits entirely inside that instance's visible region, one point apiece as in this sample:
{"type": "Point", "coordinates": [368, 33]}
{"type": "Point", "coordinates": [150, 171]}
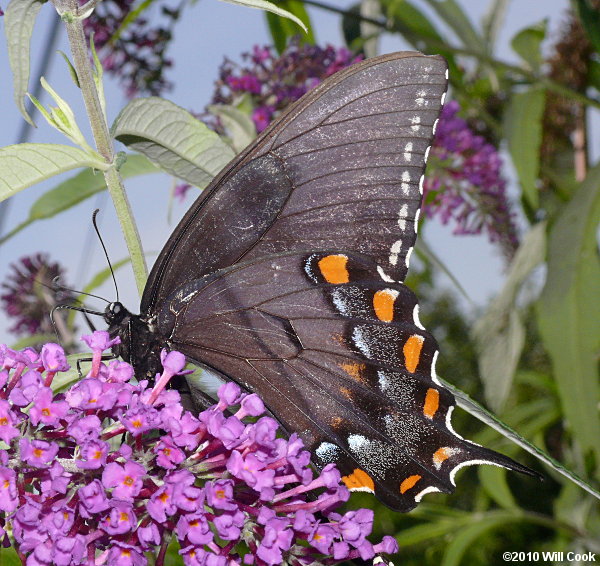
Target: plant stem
{"type": "Point", "coordinates": [69, 11]}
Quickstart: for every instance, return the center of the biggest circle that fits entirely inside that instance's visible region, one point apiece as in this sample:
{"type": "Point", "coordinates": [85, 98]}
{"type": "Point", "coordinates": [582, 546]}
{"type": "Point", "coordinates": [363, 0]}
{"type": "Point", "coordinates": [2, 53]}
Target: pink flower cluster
{"type": "Point", "coordinates": [112, 470]}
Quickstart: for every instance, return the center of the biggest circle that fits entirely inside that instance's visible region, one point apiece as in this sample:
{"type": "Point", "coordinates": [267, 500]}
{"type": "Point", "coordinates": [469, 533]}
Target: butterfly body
{"type": "Point", "coordinates": [286, 276]}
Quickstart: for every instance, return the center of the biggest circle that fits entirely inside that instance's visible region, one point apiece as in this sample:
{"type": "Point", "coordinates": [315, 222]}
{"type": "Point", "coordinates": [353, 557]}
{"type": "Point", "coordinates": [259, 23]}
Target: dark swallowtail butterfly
{"type": "Point", "coordinates": [286, 276]}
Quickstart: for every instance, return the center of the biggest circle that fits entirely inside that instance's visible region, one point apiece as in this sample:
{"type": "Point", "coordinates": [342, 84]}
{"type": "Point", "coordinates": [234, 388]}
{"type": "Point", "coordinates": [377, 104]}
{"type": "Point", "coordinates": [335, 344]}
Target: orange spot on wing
{"type": "Point", "coordinates": [408, 483]}
{"type": "Point", "coordinates": [442, 454]}
{"type": "Point", "coordinates": [346, 392]}
{"type": "Point", "coordinates": [354, 370]}
{"type": "Point", "coordinates": [359, 480]}
{"type": "Point", "coordinates": [412, 352]}
{"type": "Point", "coordinates": [336, 421]}
{"type": "Point", "coordinates": [334, 270]}
{"type": "Point", "coordinates": [383, 303]}
{"type": "Point", "coordinates": [432, 403]}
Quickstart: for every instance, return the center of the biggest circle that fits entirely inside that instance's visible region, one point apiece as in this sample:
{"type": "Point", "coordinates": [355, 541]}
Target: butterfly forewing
{"type": "Point", "coordinates": [341, 169]}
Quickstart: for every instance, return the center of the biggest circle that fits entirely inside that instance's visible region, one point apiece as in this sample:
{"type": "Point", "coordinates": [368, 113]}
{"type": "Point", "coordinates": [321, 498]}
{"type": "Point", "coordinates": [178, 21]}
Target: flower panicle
{"type": "Point", "coordinates": [216, 482]}
{"type": "Point", "coordinates": [466, 187]}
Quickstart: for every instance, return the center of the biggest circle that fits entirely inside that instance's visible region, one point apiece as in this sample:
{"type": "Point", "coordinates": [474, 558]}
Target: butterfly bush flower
{"type": "Point", "coordinates": [138, 55]}
{"type": "Point", "coordinates": [29, 294]}
{"type": "Point", "coordinates": [466, 185]}
{"type": "Point", "coordinates": [112, 471]}
{"type": "Point", "coordinates": [274, 81]}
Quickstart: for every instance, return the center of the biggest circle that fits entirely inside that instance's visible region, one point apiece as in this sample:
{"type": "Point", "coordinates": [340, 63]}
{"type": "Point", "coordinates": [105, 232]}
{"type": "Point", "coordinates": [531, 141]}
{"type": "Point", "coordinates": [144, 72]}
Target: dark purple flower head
{"type": "Point", "coordinates": [138, 55]}
{"type": "Point", "coordinates": [118, 466]}
{"type": "Point", "coordinates": [272, 82]}
{"type": "Point", "coordinates": [466, 186]}
{"type": "Point", "coordinates": [29, 294]}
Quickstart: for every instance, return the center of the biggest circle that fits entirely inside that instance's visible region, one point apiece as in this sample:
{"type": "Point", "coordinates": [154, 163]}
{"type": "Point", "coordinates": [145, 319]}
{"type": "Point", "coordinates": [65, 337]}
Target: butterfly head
{"type": "Point", "coordinates": [115, 313]}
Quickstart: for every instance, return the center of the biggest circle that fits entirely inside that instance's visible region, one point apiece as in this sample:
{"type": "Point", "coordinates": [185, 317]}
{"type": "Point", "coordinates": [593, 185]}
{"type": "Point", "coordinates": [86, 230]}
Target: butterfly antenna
{"type": "Point", "coordinates": [59, 287]}
{"type": "Point", "coordinates": [105, 252]}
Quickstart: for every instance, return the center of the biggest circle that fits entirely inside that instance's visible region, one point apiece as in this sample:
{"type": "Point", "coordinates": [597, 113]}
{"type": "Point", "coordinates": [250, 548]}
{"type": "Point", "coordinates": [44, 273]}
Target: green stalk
{"type": "Point", "coordinates": [70, 14]}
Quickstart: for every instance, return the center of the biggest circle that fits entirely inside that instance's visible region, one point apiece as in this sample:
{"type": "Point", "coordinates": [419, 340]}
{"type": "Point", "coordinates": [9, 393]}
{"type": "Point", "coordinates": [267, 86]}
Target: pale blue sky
{"type": "Point", "coordinates": [209, 30]}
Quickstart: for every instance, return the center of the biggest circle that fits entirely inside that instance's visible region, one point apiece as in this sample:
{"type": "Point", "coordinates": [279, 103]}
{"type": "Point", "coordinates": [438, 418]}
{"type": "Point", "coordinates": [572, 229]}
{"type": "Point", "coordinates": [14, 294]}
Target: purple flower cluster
{"type": "Point", "coordinates": [28, 294]}
{"type": "Point", "coordinates": [112, 470]}
{"type": "Point", "coordinates": [273, 82]}
{"type": "Point", "coordinates": [138, 56]}
{"type": "Point", "coordinates": [466, 186]}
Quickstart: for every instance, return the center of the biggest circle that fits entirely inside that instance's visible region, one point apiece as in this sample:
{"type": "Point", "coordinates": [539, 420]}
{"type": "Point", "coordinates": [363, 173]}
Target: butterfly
{"type": "Point", "coordinates": [286, 276]}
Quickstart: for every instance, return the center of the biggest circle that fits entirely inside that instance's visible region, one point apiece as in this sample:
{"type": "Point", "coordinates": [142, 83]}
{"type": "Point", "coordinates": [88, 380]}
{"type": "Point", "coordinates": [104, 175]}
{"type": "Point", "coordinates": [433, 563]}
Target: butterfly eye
{"type": "Point", "coordinates": [115, 308]}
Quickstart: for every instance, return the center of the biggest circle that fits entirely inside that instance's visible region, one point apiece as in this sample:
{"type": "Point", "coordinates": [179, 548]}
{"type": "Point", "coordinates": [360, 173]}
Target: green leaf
{"type": "Point", "coordinates": [129, 18]}
{"type": "Point", "coordinates": [64, 380]}
{"type": "Point", "coordinates": [568, 313]}
{"type": "Point", "coordinates": [475, 409]}
{"type": "Point", "coordinates": [283, 29]}
{"type": "Point", "coordinates": [407, 20]}
{"type": "Point", "coordinates": [527, 43]}
{"type": "Point", "coordinates": [493, 21]}
{"type": "Point", "coordinates": [523, 130]}
{"type": "Point", "coordinates": [173, 139]}
{"type": "Point", "coordinates": [499, 334]}
{"type": "Point", "coordinates": [456, 19]}
{"type": "Point", "coordinates": [269, 7]}
{"type": "Point", "coordinates": [590, 20]}
{"type": "Point", "coordinates": [428, 531]}
{"type": "Point", "coordinates": [19, 19]}
{"type": "Point", "coordinates": [468, 535]}
{"type": "Point", "coordinates": [239, 126]}
{"type": "Point", "coordinates": [32, 340]}
{"type": "Point", "coordinates": [26, 164]}
{"type": "Point", "coordinates": [9, 557]}
{"type": "Point", "coordinates": [78, 188]}
{"type": "Point", "coordinates": [493, 480]}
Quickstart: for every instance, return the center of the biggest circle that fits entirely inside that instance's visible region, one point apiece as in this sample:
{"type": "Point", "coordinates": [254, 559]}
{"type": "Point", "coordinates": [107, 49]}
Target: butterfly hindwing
{"type": "Point", "coordinates": [339, 357]}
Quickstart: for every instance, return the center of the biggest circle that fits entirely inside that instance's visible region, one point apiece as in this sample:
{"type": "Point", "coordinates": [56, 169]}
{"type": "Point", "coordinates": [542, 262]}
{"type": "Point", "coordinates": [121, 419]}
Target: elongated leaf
{"type": "Point", "coordinates": [528, 44]}
{"type": "Point", "coordinates": [269, 7]}
{"type": "Point", "coordinates": [456, 19]}
{"type": "Point", "coordinates": [9, 557]}
{"type": "Point", "coordinates": [63, 380]}
{"type": "Point", "coordinates": [19, 19]}
{"type": "Point", "coordinates": [590, 20]}
{"type": "Point", "coordinates": [406, 19]}
{"type": "Point", "coordinates": [493, 480]}
{"type": "Point", "coordinates": [239, 126]}
{"type": "Point", "coordinates": [173, 139]}
{"type": "Point", "coordinates": [76, 189]}
{"type": "Point", "coordinates": [428, 531]}
{"type": "Point", "coordinates": [283, 29]}
{"type": "Point", "coordinates": [499, 334]}
{"type": "Point", "coordinates": [493, 21]}
{"type": "Point", "coordinates": [26, 164]}
{"type": "Point", "coordinates": [568, 312]}
{"type": "Point", "coordinates": [468, 535]}
{"type": "Point", "coordinates": [523, 130]}
{"type": "Point", "coordinates": [475, 409]}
